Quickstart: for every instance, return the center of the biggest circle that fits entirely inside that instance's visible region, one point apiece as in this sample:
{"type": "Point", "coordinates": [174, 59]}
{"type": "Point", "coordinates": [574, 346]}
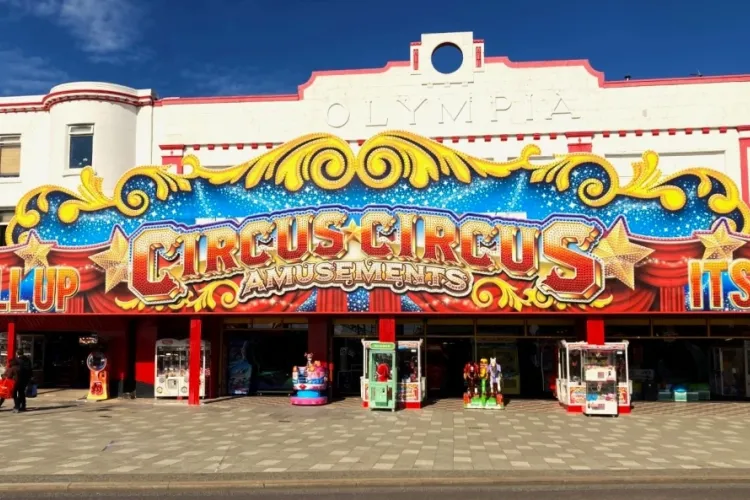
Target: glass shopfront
{"type": "Point", "coordinates": [260, 354]}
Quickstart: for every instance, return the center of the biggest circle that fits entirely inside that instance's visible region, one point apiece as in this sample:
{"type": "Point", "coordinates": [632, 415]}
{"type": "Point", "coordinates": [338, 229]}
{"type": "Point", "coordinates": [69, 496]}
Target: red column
{"type": "Point", "coordinates": [387, 329]}
{"type": "Point", "coordinates": [11, 340]}
{"type": "Point", "coordinates": [595, 330]}
{"type": "Point", "coordinates": [194, 363]}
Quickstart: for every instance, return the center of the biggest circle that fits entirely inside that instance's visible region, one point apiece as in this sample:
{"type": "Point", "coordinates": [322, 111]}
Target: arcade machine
{"type": "Point", "coordinates": [172, 360]}
{"type": "Point", "coordinates": [382, 375]}
{"type": "Point", "coordinates": [411, 384]}
{"type": "Point", "coordinates": [310, 383]}
{"type": "Point", "coordinates": [96, 362]}
{"type": "Point", "coordinates": [483, 385]}
{"type": "Point", "coordinates": [594, 378]}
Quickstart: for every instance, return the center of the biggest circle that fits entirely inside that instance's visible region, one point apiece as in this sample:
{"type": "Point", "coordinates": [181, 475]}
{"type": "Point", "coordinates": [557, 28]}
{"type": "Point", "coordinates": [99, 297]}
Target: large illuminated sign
{"type": "Point", "coordinates": [439, 229]}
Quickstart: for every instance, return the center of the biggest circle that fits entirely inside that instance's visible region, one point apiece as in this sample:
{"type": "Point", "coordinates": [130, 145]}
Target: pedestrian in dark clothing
{"type": "Point", "coordinates": [22, 376]}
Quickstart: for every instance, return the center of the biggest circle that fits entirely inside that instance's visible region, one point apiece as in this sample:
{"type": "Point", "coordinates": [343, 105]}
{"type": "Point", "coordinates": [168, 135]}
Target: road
{"type": "Point", "coordinates": [589, 492]}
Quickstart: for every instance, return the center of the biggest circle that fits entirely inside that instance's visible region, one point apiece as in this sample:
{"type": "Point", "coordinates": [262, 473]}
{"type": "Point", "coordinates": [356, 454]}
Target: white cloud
{"type": "Point", "coordinates": [223, 81]}
{"type": "Point", "coordinates": [23, 74]}
{"type": "Point", "coordinates": [102, 27]}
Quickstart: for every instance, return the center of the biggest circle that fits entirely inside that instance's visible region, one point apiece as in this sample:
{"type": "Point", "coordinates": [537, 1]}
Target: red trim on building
{"type": "Point", "coordinates": [744, 166]}
{"type": "Point", "coordinates": [581, 147]}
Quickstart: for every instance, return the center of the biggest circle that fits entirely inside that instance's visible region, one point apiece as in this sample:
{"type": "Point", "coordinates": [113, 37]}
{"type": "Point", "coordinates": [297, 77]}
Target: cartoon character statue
{"type": "Point", "coordinates": [483, 389]}
{"type": "Point", "coordinates": [495, 375]}
{"type": "Point", "coordinates": [383, 372]}
{"type": "Point", "coordinates": [471, 377]}
{"type": "Point", "coordinates": [310, 364]}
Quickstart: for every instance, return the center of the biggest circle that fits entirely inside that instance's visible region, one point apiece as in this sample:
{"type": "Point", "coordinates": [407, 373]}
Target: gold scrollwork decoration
{"type": "Point", "coordinates": [204, 299]}
{"type": "Point", "coordinates": [384, 160]}
{"type": "Point", "coordinates": [647, 183]}
{"type": "Point", "coordinates": [509, 296]}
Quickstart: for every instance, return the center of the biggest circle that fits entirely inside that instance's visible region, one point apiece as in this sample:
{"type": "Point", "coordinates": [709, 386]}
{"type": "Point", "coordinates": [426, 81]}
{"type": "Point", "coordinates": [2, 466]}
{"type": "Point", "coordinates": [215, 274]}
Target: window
{"type": "Point", "coordinates": [81, 146]}
{"type": "Point", "coordinates": [5, 216]}
{"type": "Point", "coordinates": [10, 155]}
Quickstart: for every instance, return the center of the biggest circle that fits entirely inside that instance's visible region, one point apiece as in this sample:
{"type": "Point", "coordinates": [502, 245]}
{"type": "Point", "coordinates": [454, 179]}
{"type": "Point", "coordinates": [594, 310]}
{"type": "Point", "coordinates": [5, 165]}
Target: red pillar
{"type": "Point", "coordinates": [387, 329]}
{"type": "Point", "coordinates": [194, 363]}
{"type": "Point", "coordinates": [11, 340]}
{"type": "Point", "coordinates": [595, 330]}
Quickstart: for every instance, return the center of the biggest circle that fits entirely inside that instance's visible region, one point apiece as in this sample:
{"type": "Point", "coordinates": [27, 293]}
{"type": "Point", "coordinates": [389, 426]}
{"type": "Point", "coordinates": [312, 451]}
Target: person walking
{"type": "Point", "coordinates": [22, 376]}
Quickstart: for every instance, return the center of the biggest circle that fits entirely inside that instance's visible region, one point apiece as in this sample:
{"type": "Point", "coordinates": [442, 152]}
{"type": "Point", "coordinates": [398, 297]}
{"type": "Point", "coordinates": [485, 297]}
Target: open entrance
{"type": "Point", "coordinates": [697, 359]}
{"type": "Point", "coordinates": [58, 359]}
{"type": "Point", "coordinates": [260, 354]}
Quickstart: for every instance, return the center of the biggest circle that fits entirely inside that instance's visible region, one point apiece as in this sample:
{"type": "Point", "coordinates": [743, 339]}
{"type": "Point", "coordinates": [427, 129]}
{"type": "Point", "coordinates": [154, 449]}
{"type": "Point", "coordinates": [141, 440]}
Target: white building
{"type": "Point", "coordinates": [489, 107]}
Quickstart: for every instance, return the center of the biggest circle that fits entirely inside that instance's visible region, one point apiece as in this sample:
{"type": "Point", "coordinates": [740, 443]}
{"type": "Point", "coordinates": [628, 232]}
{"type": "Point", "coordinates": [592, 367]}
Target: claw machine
{"type": "Point", "coordinates": [594, 378]}
{"type": "Point", "coordinates": [381, 375]}
{"type": "Point", "coordinates": [172, 357]}
{"type": "Point", "coordinates": [600, 377]}
{"type": "Point", "coordinates": [411, 383]}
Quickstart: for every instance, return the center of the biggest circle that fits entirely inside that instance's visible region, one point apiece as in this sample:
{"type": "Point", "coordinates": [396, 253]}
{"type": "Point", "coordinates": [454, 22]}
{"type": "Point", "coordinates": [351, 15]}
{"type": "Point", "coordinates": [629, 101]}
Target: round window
{"type": "Point", "coordinates": [447, 58]}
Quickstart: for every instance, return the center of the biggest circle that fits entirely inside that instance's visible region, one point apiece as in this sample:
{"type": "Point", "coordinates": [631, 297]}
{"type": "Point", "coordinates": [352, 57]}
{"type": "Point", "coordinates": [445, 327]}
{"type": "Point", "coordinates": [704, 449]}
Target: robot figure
{"type": "Point", "coordinates": [495, 374]}
{"type": "Point", "coordinates": [471, 376]}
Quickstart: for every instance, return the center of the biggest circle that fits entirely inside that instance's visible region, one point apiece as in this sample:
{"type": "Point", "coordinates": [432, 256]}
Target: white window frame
{"type": "Point", "coordinates": [78, 129]}
{"type": "Point", "coordinates": [11, 140]}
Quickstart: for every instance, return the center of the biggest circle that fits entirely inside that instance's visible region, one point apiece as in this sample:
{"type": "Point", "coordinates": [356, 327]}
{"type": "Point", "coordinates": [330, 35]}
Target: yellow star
{"type": "Point", "coordinates": [352, 232]}
{"type": "Point", "coordinates": [34, 253]}
{"type": "Point", "coordinates": [114, 261]}
{"type": "Point", "coordinates": [619, 255]}
{"type": "Point", "coordinates": [719, 244]}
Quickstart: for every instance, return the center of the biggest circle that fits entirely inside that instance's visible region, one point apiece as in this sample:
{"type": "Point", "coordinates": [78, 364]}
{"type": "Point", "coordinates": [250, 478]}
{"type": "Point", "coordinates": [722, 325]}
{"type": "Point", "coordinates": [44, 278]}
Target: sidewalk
{"type": "Point", "coordinates": [267, 435]}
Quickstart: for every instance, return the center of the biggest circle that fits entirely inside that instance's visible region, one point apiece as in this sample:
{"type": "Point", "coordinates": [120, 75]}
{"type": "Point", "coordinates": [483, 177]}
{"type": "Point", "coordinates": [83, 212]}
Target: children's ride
{"type": "Point", "coordinates": [383, 376]}
{"type": "Point", "coordinates": [310, 383]}
{"type": "Point", "coordinates": [483, 385]}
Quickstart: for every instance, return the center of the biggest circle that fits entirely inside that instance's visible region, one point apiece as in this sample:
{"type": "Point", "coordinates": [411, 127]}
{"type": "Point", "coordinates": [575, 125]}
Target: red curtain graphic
{"type": "Point", "coordinates": [660, 282]}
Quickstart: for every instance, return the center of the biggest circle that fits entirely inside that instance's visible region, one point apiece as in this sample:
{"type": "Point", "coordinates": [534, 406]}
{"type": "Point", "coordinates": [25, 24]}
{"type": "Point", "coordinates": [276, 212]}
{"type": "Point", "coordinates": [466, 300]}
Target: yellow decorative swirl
{"type": "Point", "coordinates": [324, 159]}
{"type": "Point", "coordinates": [508, 296]}
{"type": "Point", "coordinates": [647, 184]}
{"type": "Point", "coordinates": [383, 161]}
{"type": "Point", "coordinates": [91, 198]}
{"type": "Point", "coordinates": [204, 299]}
{"type": "Point", "coordinates": [388, 157]}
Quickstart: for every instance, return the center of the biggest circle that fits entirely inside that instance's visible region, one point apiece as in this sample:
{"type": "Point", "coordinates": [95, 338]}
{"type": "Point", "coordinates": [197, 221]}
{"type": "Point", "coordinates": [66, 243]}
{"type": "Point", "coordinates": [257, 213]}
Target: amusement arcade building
{"type": "Point", "coordinates": [492, 211]}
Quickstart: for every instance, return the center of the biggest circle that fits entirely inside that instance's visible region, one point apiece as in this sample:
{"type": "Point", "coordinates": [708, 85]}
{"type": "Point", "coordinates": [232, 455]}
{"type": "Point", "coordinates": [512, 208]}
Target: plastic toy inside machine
{"type": "Point", "coordinates": [310, 383]}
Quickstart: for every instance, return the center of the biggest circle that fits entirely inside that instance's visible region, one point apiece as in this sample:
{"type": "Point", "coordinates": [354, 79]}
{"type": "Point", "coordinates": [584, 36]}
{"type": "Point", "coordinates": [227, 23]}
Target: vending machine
{"type": "Point", "coordinates": [172, 359]}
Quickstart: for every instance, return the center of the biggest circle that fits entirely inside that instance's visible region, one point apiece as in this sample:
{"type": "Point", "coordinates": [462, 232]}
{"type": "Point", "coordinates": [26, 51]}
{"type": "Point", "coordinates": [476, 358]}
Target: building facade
{"type": "Point", "coordinates": [490, 211]}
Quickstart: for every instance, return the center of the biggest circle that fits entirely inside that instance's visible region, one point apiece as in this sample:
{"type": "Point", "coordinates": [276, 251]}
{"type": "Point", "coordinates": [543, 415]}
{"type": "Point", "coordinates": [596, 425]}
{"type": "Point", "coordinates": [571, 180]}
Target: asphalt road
{"type": "Point", "coordinates": [591, 492]}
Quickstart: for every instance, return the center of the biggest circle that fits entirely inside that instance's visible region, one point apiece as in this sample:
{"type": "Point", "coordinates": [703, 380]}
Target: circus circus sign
{"type": "Point", "coordinates": [404, 215]}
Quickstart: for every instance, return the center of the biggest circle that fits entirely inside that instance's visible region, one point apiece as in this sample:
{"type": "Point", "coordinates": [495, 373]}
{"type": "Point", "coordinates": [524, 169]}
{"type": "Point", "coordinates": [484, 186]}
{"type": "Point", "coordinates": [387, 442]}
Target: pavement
{"type": "Point", "coordinates": [69, 441]}
{"type": "Point", "coordinates": [562, 492]}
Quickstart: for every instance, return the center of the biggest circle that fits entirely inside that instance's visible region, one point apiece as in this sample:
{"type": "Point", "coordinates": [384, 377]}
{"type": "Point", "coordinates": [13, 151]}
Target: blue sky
{"type": "Point", "coordinates": [230, 47]}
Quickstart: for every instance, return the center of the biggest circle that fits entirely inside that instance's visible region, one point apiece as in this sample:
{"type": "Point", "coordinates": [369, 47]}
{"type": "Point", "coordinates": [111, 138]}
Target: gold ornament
{"type": "Point", "coordinates": [114, 261]}
{"type": "Point", "coordinates": [619, 255]}
{"type": "Point", "coordinates": [34, 253]}
{"type": "Point", "coordinates": [719, 244]}
{"type": "Point", "coordinates": [352, 232]}
{"type": "Point", "coordinates": [383, 162]}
